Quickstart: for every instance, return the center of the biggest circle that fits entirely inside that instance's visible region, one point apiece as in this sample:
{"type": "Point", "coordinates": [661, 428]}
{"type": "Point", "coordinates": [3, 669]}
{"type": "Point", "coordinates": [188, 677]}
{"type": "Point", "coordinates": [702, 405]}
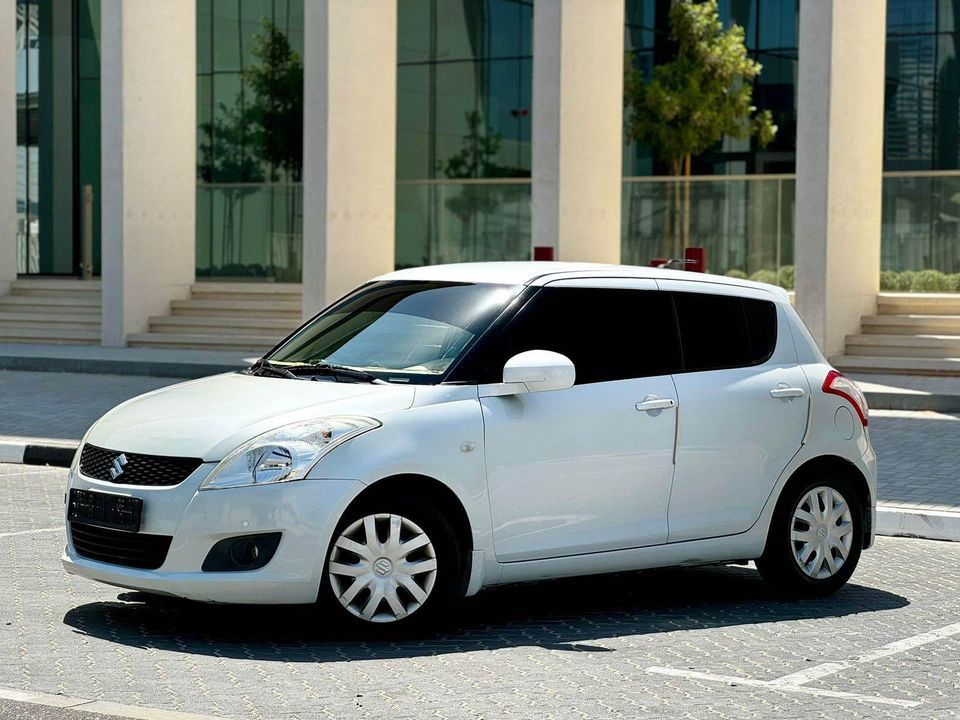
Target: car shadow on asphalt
{"type": "Point", "coordinates": [565, 614]}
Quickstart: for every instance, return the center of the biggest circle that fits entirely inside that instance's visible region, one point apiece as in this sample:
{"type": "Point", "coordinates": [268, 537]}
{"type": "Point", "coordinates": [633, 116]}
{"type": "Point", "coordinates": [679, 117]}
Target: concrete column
{"type": "Point", "coordinates": [8, 146]}
{"type": "Point", "coordinates": [148, 185]}
{"type": "Point", "coordinates": [839, 165]}
{"type": "Point", "coordinates": [578, 127]}
{"type": "Point", "coordinates": [349, 146]}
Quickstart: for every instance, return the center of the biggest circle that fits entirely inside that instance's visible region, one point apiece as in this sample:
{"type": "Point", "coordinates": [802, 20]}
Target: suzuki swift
{"type": "Point", "coordinates": [446, 429]}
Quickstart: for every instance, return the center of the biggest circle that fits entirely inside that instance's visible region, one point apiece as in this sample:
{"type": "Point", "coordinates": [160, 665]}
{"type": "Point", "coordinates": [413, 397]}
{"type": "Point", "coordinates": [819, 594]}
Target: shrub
{"type": "Point", "coordinates": [929, 281]}
{"type": "Point", "coordinates": [738, 274]}
{"type": "Point", "coordinates": [785, 278]}
{"type": "Point", "coordinates": [890, 281]}
{"type": "Point", "coordinates": [765, 276]}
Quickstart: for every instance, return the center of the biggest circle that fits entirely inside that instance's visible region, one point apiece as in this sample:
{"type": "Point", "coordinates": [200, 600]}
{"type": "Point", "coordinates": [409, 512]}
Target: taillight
{"type": "Point", "coordinates": [837, 384]}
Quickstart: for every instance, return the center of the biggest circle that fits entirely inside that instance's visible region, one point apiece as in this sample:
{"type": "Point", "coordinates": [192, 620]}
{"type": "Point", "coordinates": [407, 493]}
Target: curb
{"type": "Point", "coordinates": [105, 366]}
{"type": "Point", "coordinates": [916, 522]}
{"type": "Point", "coordinates": [28, 451]}
{"type": "Point", "coordinates": [913, 402]}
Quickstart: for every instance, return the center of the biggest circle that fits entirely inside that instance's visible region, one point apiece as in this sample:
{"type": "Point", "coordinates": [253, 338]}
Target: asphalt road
{"type": "Point", "coordinates": [685, 643]}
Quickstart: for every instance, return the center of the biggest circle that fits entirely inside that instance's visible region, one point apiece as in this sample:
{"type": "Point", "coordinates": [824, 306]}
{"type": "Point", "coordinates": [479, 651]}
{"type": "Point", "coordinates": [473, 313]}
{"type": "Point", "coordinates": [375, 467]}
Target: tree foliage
{"type": "Point", "coordinates": [704, 93]}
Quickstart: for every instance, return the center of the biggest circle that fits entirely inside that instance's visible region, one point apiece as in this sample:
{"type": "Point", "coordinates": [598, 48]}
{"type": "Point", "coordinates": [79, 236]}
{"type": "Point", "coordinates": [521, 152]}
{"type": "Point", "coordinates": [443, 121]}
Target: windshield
{"type": "Point", "coordinates": [410, 331]}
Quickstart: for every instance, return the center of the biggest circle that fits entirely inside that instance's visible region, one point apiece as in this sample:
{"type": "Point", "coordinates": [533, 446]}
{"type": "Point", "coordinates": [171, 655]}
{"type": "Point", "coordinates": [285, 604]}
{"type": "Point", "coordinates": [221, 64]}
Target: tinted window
{"type": "Point", "coordinates": [609, 334]}
{"type": "Point", "coordinates": [724, 331]}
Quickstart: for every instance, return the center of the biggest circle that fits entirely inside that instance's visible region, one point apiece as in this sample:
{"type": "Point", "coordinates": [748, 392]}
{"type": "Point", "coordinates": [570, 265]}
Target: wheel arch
{"type": "Point", "coordinates": [427, 489]}
{"type": "Point", "coordinates": [832, 463]}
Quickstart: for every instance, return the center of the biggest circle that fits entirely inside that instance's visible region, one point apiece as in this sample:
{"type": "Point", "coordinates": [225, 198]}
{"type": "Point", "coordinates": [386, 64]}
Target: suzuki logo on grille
{"type": "Point", "coordinates": [119, 462]}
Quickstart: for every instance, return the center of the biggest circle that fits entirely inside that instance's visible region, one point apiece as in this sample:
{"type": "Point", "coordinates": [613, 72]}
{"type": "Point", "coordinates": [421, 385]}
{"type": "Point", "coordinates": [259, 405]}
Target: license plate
{"type": "Point", "coordinates": [105, 510]}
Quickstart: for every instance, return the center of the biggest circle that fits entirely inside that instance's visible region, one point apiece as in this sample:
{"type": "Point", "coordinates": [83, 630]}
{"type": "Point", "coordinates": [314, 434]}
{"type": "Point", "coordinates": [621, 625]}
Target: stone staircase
{"type": "Point", "coordinates": [248, 317]}
{"type": "Point", "coordinates": [911, 334]}
{"type": "Point", "coordinates": [63, 311]}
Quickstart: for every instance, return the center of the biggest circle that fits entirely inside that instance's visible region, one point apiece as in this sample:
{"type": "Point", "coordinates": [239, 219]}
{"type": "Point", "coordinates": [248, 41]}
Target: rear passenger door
{"type": "Point", "coordinates": [743, 403]}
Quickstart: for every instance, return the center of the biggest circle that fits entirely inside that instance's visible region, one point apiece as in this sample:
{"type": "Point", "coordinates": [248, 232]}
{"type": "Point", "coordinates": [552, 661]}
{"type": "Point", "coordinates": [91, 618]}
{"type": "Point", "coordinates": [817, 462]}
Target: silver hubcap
{"type": "Point", "coordinates": [383, 568]}
{"type": "Point", "coordinates": [821, 533]}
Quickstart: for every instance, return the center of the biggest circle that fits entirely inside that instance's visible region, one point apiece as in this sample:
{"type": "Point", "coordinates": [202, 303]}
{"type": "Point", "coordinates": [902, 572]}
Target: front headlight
{"type": "Point", "coordinates": [286, 453]}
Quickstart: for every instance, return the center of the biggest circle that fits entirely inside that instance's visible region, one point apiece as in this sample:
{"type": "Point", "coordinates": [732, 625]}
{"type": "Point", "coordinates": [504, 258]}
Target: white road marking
{"type": "Point", "coordinates": [796, 682]}
{"type": "Point", "coordinates": [772, 685]}
{"type": "Point", "coordinates": [98, 706]}
{"type": "Point", "coordinates": [30, 532]}
{"type": "Point", "coordinates": [819, 671]}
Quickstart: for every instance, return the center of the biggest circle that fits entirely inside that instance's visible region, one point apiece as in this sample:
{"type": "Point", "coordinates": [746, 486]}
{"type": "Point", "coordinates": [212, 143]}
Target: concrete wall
{"type": "Point", "coordinates": [148, 111]}
{"type": "Point", "coordinates": [578, 128]}
{"type": "Point", "coordinates": [349, 146]}
{"type": "Point", "coordinates": [8, 147]}
{"type": "Point", "coordinates": [839, 166]}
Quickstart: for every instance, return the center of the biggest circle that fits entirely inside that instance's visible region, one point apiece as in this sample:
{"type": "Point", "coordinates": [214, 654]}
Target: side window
{"type": "Point", "coordinates": [609, 334]}
{"type": "Point", "coordinates": [725, 331]}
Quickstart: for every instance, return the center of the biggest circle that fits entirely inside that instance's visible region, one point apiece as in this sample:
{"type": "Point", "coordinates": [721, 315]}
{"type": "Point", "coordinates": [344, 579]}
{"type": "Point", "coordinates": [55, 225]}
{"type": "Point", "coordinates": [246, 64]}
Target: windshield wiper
{"type": "Point", "coordinates": [299, 370]}
{"type": "Point", "coordinates": [342, 371]}
{"type": "Point", "coordinates": [265, 367]}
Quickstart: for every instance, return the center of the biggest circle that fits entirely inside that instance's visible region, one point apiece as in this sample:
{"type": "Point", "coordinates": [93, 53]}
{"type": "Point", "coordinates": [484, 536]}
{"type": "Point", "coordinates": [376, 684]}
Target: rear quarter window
{"type": "Point", "coordinates": [724, 331]}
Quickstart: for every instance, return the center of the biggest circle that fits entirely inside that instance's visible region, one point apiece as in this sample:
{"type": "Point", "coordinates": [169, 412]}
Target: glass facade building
{"type": "Point", "coordinates": [464, 75]}
{"type": "Point", "coordinates": [58, 135]}
{"type": "Point", "coordinates": [249, 138]}
{"type": "Point", "coordinates": [463, 138]}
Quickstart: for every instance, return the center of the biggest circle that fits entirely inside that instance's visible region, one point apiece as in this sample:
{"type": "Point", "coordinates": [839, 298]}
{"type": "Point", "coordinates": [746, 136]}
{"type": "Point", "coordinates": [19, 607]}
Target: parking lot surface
{"type": "Point", "coordinates": [684, 643]}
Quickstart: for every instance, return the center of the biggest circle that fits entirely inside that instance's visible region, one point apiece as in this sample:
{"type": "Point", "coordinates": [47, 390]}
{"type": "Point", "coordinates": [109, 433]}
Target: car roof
{"type": "Point", "coordinates": [540, 273]}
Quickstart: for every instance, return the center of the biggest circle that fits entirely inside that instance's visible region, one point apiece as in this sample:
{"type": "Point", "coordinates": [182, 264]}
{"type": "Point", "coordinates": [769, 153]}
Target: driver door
{"type": "Point", "coordinates": [589, 468]}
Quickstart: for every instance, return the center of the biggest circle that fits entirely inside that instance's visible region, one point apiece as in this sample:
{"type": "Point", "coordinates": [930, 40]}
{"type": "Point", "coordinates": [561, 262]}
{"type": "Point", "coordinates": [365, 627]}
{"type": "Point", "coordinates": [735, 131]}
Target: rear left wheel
{"type": "Point", "coordinates": [392, 564]}
{"type": "Point", "coordinates": [815, 538]}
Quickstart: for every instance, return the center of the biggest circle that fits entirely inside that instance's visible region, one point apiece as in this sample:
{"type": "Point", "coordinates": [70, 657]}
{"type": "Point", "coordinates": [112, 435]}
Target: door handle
{"type": "Point", "coordinates": [651, 403]}
{"type": "Point", "coordinates": [783, 391]}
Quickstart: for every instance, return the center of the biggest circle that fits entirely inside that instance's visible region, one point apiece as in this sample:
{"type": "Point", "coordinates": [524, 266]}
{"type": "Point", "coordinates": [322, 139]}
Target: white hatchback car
{"type": "Point", "coordinates": [450, 428]}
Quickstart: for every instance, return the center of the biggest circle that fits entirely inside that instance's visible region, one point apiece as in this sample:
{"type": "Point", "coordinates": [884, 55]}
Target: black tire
{"type": "Point", "coordinates": [448, 587]}
{"type": "Point", "coordinates": [778, 564]}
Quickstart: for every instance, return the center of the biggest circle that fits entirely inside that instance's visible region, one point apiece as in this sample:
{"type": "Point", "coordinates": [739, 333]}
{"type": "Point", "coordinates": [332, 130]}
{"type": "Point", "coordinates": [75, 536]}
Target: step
{"type": "Point", "coordinates": [896, 365]}
{"type": "Point", "coordinates": [54, 283]}
{"type": "Point", "coordinates": [50, 304]}
{"type": "Point", "coordinates": [930, 346]}
{"type": "Point", "coordinates": [16, 316]}
{"type": "Point", "coordinates": [53, 292]}
{"type": "Point", "coordinates": [911, 324]}
{"type": "Point", "coordinates": [223, 325]}
{"type": "Point", "coordinates": [13, 326]}
{"type": "Point", "coordinates": [918, 303]}
{"type": "Point", "coordinates": [251, 343]}
{"type": "Point", "coordinates": [50, 335]}
{"type": "Point", "coordinates": [290, 292]}
{"type": "Point", "coordinates": [264, 308]}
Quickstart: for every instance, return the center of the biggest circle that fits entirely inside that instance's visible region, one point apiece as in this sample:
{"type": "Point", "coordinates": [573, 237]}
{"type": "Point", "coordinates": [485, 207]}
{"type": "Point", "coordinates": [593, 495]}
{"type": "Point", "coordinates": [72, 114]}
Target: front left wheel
{"type": "Point", "coordinates": [392, 564]}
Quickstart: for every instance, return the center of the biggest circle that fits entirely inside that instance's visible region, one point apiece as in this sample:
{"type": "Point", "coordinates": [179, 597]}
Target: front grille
{"type": "Point", "coordinates": [156, 470]}
{"type": "Point", "coordinates": [136, 550]}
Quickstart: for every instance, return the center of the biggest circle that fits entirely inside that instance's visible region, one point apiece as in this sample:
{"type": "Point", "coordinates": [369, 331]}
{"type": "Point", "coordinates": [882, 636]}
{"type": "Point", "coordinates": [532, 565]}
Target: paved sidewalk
{"type": "Point", "coordinates": [61, 406]}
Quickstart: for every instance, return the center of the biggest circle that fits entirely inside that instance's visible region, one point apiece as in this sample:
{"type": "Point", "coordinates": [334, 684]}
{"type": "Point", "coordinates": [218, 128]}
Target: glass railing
{"type": "Point", "coordinates": [445, 221]}
{"type": "Point", "coordinates": [247, 230]}
{"type": "Point", "coordinates": [745, 223]}
{"type": "Point", "coordinates": [920, 248]}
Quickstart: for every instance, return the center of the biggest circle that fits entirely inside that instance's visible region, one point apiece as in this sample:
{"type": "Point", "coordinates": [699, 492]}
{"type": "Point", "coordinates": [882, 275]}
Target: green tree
{"type": "Point", "coordinates": [690, 103]}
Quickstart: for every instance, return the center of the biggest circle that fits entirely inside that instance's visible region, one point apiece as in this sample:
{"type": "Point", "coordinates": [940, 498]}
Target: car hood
{"type": "Point", "coordinates": [208, 418]}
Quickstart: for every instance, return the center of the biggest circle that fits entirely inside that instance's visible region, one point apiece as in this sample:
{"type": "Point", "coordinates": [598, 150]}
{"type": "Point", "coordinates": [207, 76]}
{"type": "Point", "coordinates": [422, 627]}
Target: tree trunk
{"type": "Point", "coordinates": [672, 224]}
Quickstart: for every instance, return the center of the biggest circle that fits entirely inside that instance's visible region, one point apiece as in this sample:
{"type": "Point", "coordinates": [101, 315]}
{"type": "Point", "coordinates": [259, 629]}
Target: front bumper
{"type": "Point", "coordinates": [304, 511]}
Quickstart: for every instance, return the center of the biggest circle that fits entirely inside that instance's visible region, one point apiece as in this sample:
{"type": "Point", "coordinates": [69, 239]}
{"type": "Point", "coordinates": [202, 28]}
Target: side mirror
{"type": "Point", "coordinates": [540, 370]}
